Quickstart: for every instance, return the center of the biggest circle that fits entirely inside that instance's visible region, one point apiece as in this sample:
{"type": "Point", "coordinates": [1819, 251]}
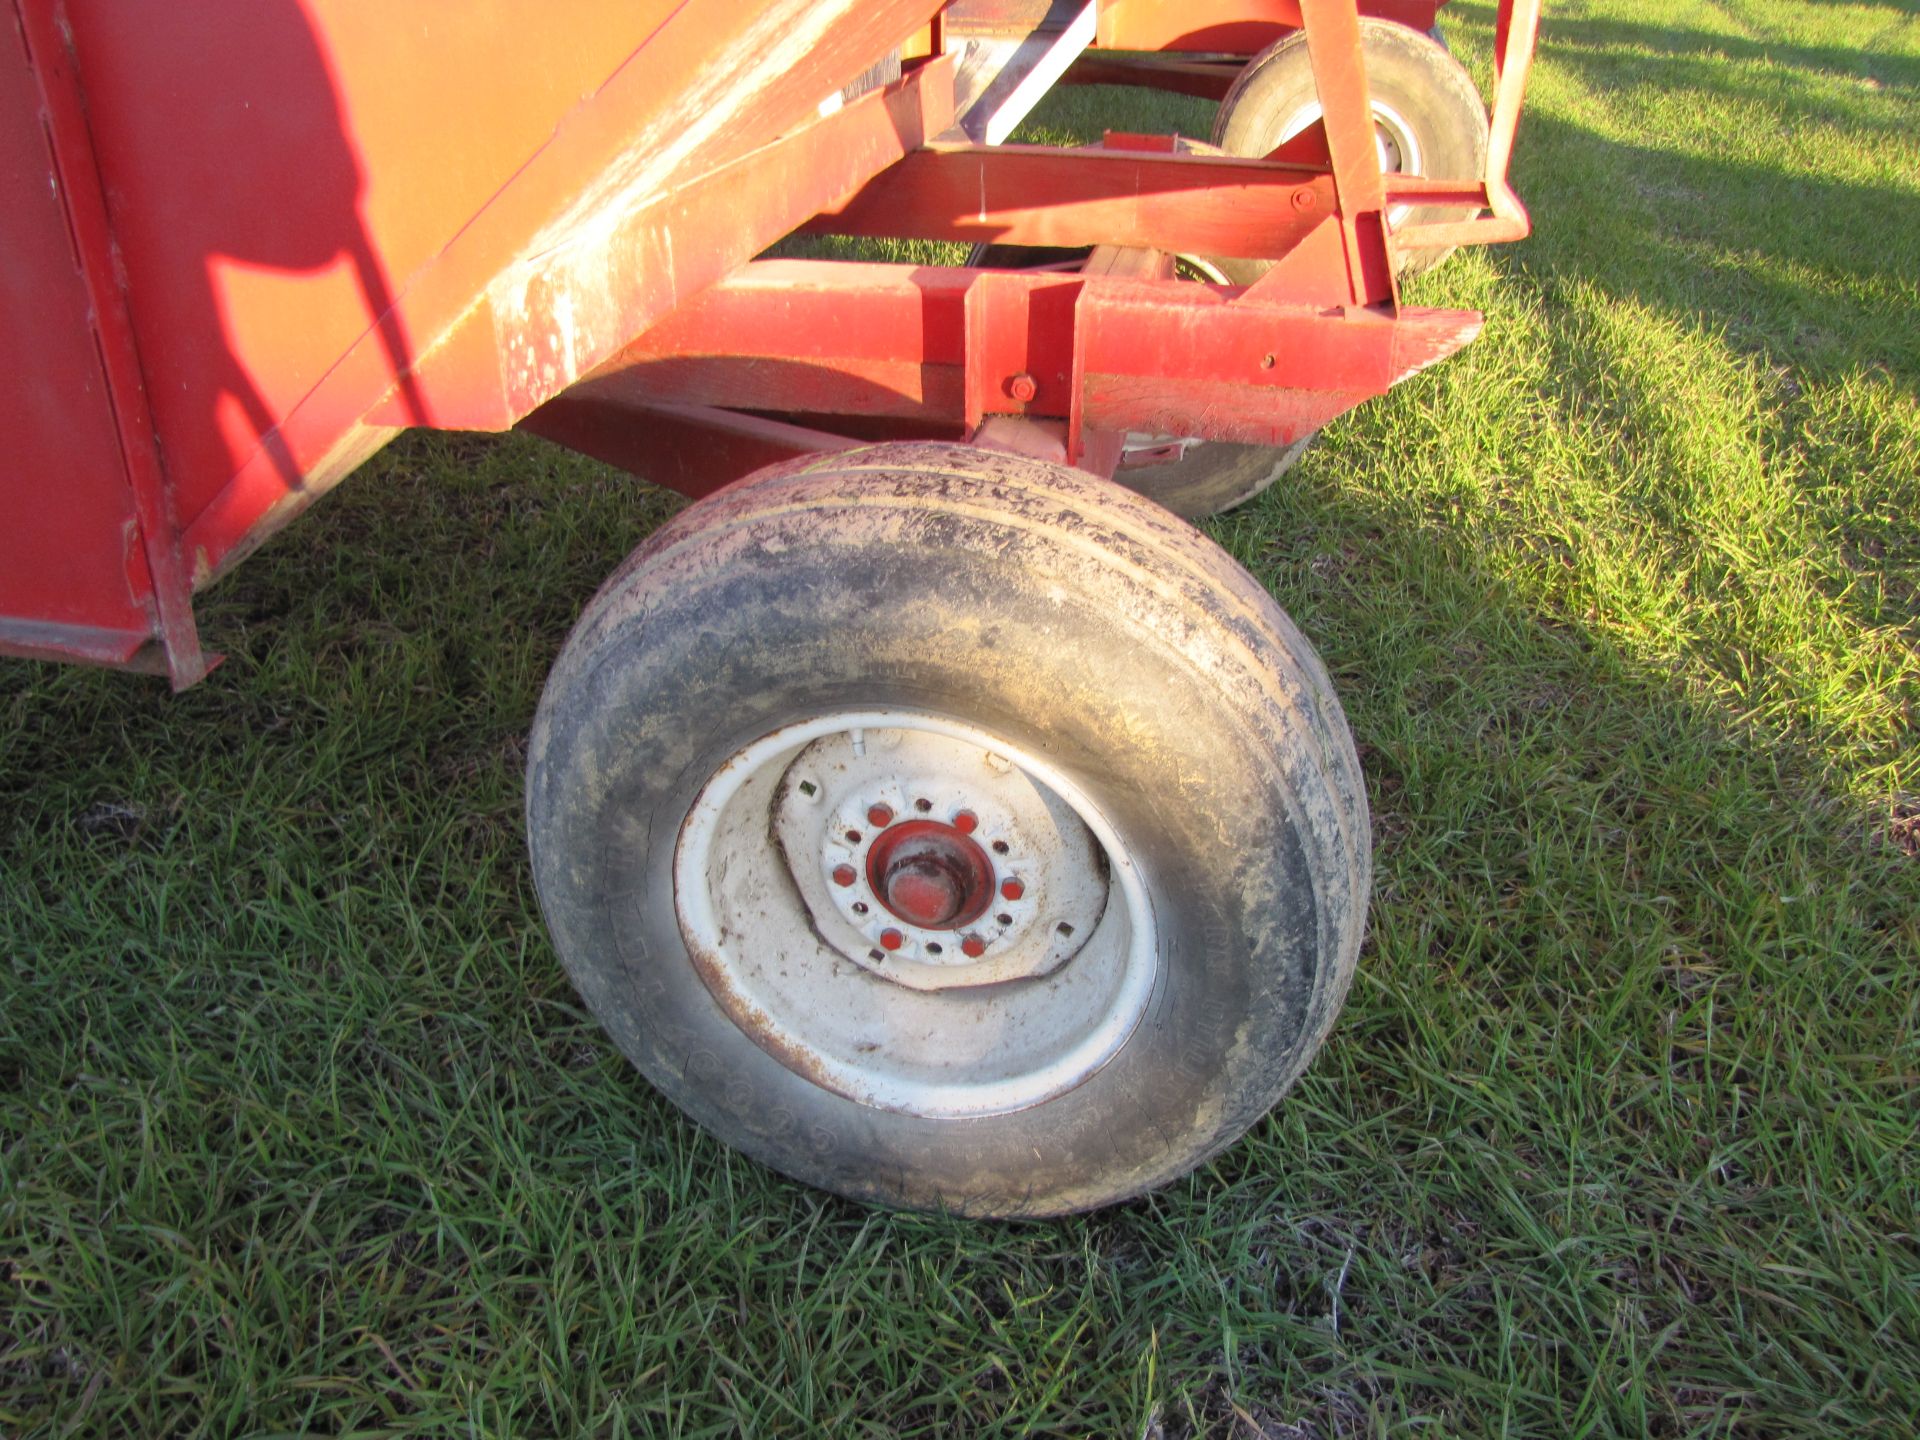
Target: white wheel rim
{"type": "Point", "coordinates": [1394, 138]}
{"type": "Point", "coordinates": [780, 944]}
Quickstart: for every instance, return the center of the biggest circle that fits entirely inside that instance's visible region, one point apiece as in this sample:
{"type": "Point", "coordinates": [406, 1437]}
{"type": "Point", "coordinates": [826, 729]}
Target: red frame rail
{"type": "Point", "coordinates": [936, 350]}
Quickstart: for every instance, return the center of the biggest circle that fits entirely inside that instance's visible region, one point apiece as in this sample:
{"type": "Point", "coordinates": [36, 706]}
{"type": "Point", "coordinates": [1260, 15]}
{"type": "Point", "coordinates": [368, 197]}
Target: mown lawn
{"type": "Point", "coordinates": [301, 1128]}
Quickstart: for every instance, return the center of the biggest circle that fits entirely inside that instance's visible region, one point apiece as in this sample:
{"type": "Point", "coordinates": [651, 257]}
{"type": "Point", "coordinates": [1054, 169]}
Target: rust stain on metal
{"type": "Point", "coordinates": [758, 1026]}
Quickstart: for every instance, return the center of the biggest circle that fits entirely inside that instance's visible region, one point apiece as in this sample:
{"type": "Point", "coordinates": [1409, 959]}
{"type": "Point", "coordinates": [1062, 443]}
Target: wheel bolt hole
{"type": "Point", "coordinates": [1000, 847]}
{"type": "Point", "coordinates": [853, 837]}
{"type": "Point", "coordinates": [1003, 919]}
{"type": "Point", "coordinates": [933, 947]}
{"type": "Point", "coordinates": [1064, 928]}
{"type": "Point", "coordinates": [859, 907]}
{"type": "Point", "coordinates": [923, 805]}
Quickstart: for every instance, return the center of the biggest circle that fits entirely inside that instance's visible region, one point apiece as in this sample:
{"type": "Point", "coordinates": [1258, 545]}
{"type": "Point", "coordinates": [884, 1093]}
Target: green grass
{"type": "Point", "coordinates": [301, 1128]}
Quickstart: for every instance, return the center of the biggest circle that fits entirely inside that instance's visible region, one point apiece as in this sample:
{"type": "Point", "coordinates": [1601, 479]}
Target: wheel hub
{"type": "Point", "coordinates": [930, 874]}
{"type": "Point", "coordinates": [936, 865]}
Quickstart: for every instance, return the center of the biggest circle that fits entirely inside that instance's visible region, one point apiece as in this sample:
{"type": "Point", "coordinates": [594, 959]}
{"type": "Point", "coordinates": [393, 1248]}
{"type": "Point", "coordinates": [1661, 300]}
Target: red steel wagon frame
{"type": "Point", "coordinates": [246, 242]}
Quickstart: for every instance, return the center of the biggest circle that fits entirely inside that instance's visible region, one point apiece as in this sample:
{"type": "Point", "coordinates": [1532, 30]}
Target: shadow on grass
{"type": "Point", "coordinates": [1638, 985]}
{"type": "Point", "coordinates": [1821, 275]}
{"type": "Point", "coordinates": [1773, 263]}
{"type": "Point", "coordinates": [1697, 58]}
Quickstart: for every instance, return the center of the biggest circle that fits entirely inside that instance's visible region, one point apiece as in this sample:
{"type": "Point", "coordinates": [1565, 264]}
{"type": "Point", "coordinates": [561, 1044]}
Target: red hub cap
{"type": "Point", "coordinates": [930, 874]}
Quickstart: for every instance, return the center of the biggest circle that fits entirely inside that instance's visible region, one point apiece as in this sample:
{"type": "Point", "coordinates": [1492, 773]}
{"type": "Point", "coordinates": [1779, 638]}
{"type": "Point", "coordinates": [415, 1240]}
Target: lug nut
{"type": "Point", "coordinates": [844, 875]}
{"type": "Point", "coordinates": [965, 822]}
{"type": "Point", "coordinates": [973, 946]}
{"type": "Point", "coordinates": [880, 816]}
{"type": "Point", "coordinates": [1304, 199]}
{"type": "Point", "coordinates": [1012, 889]}
{"type": "Point", "coordinates": [1022, 387]}
{"type": "Point", "coordinates": [891, 939]}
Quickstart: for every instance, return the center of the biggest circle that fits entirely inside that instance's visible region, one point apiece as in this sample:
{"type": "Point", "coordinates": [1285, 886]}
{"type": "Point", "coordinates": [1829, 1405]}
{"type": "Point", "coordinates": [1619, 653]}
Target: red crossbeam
{"type": "Point", "coordinates": [945, 348]}
{"type": "Point", "coordinates": [1033, 195]}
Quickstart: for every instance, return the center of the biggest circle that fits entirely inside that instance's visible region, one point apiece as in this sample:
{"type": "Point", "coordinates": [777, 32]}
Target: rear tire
{"type": "Point", "coordinates": [1426, 108]}
{"type": "Point", "coordinates": [1214, 476]}
{"type": "Point", "coordinates": [858, 621]}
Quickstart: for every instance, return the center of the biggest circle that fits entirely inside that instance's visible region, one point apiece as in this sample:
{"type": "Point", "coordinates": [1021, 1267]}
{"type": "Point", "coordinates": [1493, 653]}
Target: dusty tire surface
{"type": "Point", "coordinates": [1411, 73]}
{"type": "Point", "coordinates": [1058, 612]}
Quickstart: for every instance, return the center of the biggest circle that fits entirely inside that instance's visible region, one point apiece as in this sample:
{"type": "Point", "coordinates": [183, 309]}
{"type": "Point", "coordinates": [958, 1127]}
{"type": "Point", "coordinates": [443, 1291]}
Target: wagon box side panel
{"type": "Point", "coordinates": [277, 172]}
{"type": "Point", "coordinates": [338, 219]}
{"type": "Point", "coordinates": [73, 577]}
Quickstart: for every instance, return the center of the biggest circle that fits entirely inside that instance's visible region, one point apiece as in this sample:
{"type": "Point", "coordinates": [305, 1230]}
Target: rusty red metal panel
{"type": "Point", "coordinates": [689, 448]}
{"type": "Point", "coordinates": [578, 294]}
{"type": "Point", "coordinates": [1181, 359]}
{"type": "Point", "coordinates": [277, 170]}
{"type": "Point", "coordinates": [333, 224]}
{"type": "Point", "coordinates": [126, 388]}
{"type": "Point", "coordinates": [296, 227]}
{"type": "Point", "coordinates": [558, 317]}
{"type": "Point", "coordinates": [807, 337]}
{"type": "Point", "coordinates": [1228, 27]}
{"type": "Point", "coordinates": [73, 573]}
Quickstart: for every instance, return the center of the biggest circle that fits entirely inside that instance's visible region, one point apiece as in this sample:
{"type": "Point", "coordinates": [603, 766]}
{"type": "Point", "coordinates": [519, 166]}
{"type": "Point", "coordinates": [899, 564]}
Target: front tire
{"type": "Point", "coordinates": [966, 658]}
